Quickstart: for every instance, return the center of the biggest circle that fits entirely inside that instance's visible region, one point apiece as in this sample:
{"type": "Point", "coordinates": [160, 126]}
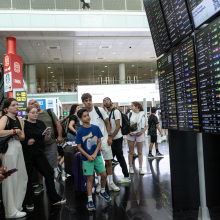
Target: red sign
{"type": "Point", "coordinates": [13, 68]}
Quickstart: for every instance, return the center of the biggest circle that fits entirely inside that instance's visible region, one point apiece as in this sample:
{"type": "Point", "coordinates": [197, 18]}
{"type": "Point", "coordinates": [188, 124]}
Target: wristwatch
{"type": "Point", "coordinates": [109, 135]}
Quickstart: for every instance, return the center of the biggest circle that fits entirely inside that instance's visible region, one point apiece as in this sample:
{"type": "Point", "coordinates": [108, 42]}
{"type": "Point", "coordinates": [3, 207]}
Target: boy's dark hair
{"type": "Point", "coordinates": [153, 110]}
{"type": "Point", "coordinates": [80, 112]}
{"type": "Point", "coordinates": [86, 96]}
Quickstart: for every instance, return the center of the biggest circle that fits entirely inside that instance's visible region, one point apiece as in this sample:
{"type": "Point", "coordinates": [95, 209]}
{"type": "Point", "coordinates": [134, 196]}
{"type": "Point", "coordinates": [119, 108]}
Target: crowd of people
{"type": "Point", "coordinates": [97, 132]}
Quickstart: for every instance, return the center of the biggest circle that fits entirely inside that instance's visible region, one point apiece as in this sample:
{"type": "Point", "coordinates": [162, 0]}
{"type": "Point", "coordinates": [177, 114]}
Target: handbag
{"type": "Point", "coordinates": [4, 143]}
{"type": "Point", "coordinates": [133, 127]}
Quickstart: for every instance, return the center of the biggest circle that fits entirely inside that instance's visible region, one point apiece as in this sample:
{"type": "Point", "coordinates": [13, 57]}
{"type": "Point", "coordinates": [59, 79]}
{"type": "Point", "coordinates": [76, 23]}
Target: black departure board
{"type": "Point", "coordinates": [202, 10]}
{"type": "Point", "coordinates": [157, 26]}
{"type": "Point", "coordinates": [167, 92]}
{"type": "Point", "coordinates": [208, 61]}
{"type": "Point", "coordinates": [177, 19]}
{"type": "Point", "coordinates": [186, 87]}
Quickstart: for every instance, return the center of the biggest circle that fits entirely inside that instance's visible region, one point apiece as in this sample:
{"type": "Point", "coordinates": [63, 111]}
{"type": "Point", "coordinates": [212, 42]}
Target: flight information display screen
{"type": "Point", "coordinates": [186, 87]}
{"type": "Point", "coordinates": [177, 19]}
{"type": "Point", "coordinates": [202, 10]}
{"type": "Point", "coordinates": [167, 92]}
{"type": "Point", "coordinates": [208, 61]}
{"type": "Point", "coordinates": [157, 26]}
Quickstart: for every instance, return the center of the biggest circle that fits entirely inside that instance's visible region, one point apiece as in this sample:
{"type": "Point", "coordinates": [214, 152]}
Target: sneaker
{"type": "Point", "coordinates": [105, 196]}
{"type": "Point", "coordinates": [131, 170]}
{"type": "Point", "coordinates": [151, 156]}
{"type": "Point", "coordinates": [61, 202]}
{"type": "Point", "coordinates": [30, 207]}
{"type": "Point", "coordinates": [125, 180]}
{"type": "Point", "coordinates": [18, 215]}
{"type": "Point", "coordinates": [158, 154]}
{"type": "Point", "coordinates": [98, 188]}
{"type": "Point", "coordinates": [113, 187]}
{"type": "Point", "coordinates": [141, 172]}
{"type": "Point", "coordinates": [39, 189]}
{"type": "Point", "coordinates": [90, 206]}
{"type": "Point", "coordinates": [115, 162]}
{"type": "Point", "coordinates": [59, 168]}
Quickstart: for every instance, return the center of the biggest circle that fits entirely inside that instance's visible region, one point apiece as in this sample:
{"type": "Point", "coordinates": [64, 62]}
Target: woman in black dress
{"type": "Point", "coordinates": [33, 148]}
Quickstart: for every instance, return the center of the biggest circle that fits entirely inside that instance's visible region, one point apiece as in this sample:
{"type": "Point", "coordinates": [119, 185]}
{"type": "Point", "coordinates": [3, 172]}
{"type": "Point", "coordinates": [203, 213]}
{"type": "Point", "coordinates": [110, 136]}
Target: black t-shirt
{"type": "Point", "coordinates": [12, 124]}
{"type": "Point", "coordinates": [33, 131]}
{"type": "Point", "coordinates": [152, 121]}
{"type": "Point", "coordinates": [76, 126]}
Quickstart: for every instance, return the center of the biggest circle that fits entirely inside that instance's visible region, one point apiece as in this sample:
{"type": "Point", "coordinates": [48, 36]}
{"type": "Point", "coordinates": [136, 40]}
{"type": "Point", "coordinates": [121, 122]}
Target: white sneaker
{"type": "Point", "coordinates": [113, 187]}
{"type": "Point", "coordinates": [131, 170]}
{"type": "Point", "coordinates": [18, 215]}
{"type": "Point", "coordinates": [141, 172]}
{"type": "Point", "coordinates": [98, 188]}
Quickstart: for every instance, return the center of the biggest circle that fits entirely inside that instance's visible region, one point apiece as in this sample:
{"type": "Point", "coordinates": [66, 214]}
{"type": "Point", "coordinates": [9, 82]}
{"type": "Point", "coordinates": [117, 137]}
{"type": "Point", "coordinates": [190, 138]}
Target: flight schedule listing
{"type": "Point", "coordinates": [167, 92]}
{"type": "Point", "coordinates": [186, 87]}
{"type": "Point", "coordinates": [177, 19]}
{"type": "Point", "coordinates": [208, 52]}
{"type": "Point", "coordinates": [157, 26]}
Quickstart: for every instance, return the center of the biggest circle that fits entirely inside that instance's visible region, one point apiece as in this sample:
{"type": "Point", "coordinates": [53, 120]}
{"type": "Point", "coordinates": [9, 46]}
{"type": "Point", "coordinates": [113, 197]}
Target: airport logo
{"type": "Point", "coordinates": [17, 68]}
{"type": "Point", "coordinates": [7, 60]}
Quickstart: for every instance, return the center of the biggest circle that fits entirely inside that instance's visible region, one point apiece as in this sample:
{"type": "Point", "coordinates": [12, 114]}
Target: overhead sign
{"type": "Point", "coordinates": [120, 92]}
{"type": "Point", "coordinates": [21, 97]}
{"type": "Point", "coordinates": [13, 72]}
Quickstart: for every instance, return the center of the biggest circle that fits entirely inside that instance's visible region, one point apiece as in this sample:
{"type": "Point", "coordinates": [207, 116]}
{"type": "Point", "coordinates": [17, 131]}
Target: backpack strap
{"type": "Point", "coordinates": [130, 114]}
{"type": "Point", "coordinates": [98, 112]}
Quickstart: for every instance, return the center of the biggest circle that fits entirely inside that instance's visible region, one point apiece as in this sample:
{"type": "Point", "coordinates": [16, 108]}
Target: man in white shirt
{"type": "Point", "coordinates": [102, 122]}
{"type": "Point", "coordinates": [117, 137]}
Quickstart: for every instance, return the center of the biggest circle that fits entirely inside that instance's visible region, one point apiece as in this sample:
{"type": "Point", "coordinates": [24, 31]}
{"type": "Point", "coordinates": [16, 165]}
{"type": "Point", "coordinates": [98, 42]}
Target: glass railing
{"type": "Point", "coordinates": [72, 5]}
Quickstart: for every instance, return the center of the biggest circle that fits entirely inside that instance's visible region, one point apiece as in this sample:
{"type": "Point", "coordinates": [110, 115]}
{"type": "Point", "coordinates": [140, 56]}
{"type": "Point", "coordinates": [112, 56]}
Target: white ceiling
{"type": "Point", "coordinates": [78, 54]}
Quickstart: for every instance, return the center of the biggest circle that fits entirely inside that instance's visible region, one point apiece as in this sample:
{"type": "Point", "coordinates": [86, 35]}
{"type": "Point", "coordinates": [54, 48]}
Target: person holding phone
{"type": "Point", "coordinates": [3, 170]}
{"type": "Point", "coordinates": [33, 146]}
{"type": "Point", "coordinates": [14, 187]}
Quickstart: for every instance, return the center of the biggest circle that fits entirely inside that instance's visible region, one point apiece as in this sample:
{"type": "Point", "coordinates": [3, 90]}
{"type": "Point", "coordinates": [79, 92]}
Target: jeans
{"type": "Point", "coordinates": [118, 152]}
{"type": "Point", "coordinates": [70, 137]}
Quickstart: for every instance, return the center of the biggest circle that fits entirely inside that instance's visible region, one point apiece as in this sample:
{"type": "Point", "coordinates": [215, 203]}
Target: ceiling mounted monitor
{"type": "Point", "coordinates": [203, 10]}
{"type": "Point", "coordinates": [157, 26]}
{"type": "Point", "coordinates": [177, 19]}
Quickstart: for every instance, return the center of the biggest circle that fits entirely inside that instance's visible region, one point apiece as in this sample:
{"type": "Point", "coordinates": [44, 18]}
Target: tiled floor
{"type": "Point", "coordinates": [146, 197]}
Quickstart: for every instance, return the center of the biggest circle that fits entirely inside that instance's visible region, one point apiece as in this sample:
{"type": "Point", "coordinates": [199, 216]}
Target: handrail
{"type": "Point", "coordinates": [122, 5]}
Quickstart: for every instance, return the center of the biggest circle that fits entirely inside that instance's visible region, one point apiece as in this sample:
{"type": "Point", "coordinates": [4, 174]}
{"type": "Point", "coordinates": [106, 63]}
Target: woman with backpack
{"type": "Point", "coordinates": [137, 127]}
{"type": "Point", "coordinates": [73, 123]}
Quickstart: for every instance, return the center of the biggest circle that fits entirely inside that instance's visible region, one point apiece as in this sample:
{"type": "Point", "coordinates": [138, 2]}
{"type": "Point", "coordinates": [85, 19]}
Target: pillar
{"type": "Point", "coordinates": [32, 79]}
{"type": "Point", "coordinates": [42, 85]}
{"type": "Point", "coordinates": [11, 48]}
{"type": "Point", "coordinates": [122, 73]}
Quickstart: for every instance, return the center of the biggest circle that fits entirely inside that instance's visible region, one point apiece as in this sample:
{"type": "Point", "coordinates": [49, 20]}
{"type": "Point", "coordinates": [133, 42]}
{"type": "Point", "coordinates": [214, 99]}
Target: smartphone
{"type": "Point", "coordinates": [10, 172]}
{"type": "Point", "coordinates": [48, 128]}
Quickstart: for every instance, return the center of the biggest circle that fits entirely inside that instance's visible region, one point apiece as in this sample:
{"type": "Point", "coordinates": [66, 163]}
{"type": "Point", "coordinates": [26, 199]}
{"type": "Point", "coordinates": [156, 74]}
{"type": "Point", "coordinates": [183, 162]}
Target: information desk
{"type": "Point", "coordinates": [186, 87]}
{"type": "Point", "coordinates": [208, 61]}
{"type": "Point", "coordinates": [167, 92]}
{"type": "Point", "coordinates": [157, 26]}
{"type": "Point", "coordinates": [177, 19]}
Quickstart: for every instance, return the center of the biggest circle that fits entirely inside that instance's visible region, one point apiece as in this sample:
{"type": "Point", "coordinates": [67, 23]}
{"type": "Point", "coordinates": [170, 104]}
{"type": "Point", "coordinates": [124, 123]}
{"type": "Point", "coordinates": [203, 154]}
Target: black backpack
{"type": "Point", "coordinates": [65, 124]}
{"type": "Point", "coordinates": [125, 128]}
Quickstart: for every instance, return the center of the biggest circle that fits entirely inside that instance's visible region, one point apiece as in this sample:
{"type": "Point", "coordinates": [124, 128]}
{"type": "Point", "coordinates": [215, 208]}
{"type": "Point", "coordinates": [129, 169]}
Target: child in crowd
{"type": "Point", "coordinates": [88, 140]}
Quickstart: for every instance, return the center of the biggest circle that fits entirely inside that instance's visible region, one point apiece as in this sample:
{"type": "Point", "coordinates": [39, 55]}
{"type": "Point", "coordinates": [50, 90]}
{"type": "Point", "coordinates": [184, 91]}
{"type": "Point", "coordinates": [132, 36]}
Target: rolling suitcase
{"type": "Point", "coordinates": [69, 153]}
{"type": "Point", "coordinates": [80, 180]}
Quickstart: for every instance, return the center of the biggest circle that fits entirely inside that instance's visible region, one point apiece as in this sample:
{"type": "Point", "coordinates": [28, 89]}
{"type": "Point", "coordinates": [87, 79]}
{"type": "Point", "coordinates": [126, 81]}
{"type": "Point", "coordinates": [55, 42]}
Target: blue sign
{"type": "Point", "coordinates": [23, 112]}
{"type": "Point", "coordinates": [42, 103]}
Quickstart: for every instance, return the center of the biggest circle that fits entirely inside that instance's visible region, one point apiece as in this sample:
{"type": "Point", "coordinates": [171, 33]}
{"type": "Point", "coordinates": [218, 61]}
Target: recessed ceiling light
{"type": "Point", "coordinates": [38, 44]}
{"type": "Point", "coordinates": [114, 53]}
{"type": "Point", "coordinates": [79, 53]}
{"type": "Point", "coordinates": [48, 67]}
{"type": "Point", "coordinates": [77, 79]}
{"type": "Point", "coordinates": [79, 44]}
{"type": "Point", "coordinates": [103, 71]}
{"type": "Point", "coordinates": [45, 61]}
{"type": "Point", "coordinates": [145, 74]}
{"type": "Point", "coordinates": [106, 66]}
{"type": "Point", "coordinates": [51, 72]}
{"type": "Point", "coordinates": [132, 65]}
{"type": "Point", "coordinates": [53, 76]}
{"type": "Point", "coordinates": [151, 70]}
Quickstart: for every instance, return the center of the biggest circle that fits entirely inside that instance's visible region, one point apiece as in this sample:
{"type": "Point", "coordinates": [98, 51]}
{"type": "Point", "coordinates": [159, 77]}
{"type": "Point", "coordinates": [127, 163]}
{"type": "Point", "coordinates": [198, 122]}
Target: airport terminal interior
{"type": "Point", "coordinates": [159, 53]}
